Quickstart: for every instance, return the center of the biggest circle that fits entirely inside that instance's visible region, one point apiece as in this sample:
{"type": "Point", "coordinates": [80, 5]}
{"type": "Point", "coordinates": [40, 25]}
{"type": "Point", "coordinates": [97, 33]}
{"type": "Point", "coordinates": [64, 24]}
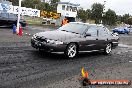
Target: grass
{"type": "Point", "coordinates": [37, 21]}
{"type": "Point", "coordinates": [34, 21]}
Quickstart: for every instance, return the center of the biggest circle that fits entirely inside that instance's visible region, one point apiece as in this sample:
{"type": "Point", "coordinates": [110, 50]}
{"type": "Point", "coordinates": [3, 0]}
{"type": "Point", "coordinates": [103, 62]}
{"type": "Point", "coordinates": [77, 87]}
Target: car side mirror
{"type": "Point", "coordinates": [88, 34]}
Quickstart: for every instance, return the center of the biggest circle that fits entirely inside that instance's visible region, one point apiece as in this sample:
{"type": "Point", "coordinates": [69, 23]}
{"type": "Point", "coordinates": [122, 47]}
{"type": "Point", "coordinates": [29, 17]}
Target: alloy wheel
{"type": "Point", "coordinates": [108, 48]}
{"type": "Point", "coordinates": [71, 50]}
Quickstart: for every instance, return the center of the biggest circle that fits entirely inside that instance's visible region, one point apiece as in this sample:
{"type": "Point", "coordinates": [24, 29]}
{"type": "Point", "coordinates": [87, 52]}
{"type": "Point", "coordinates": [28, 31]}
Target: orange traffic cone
{"type": "Point", "coordinates": [20, 31]}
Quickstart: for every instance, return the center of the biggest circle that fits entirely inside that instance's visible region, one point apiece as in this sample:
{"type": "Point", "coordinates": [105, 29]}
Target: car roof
{"type": "Point", "coordinates": [99, 25]}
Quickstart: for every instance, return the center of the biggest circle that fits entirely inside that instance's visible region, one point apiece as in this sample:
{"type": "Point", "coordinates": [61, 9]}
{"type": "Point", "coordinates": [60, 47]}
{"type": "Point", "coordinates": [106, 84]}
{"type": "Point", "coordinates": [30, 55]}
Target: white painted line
{"type": "Point", "coordinates": [125, 46]}
{"type": "Point", "coordinates": [130, 61]}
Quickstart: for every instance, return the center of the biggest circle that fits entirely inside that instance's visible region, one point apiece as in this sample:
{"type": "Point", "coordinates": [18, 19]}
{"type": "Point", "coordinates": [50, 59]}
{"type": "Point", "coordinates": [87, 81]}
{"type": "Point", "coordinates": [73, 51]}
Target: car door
{"type": "Point", "coordinates": [103, 37]}
{"type": "Point", "coordinates": [91, 42]}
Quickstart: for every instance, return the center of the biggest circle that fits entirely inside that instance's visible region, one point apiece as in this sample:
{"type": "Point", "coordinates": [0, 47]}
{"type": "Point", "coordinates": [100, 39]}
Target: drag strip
{"type": "Point", "coordinates": [21, 66]}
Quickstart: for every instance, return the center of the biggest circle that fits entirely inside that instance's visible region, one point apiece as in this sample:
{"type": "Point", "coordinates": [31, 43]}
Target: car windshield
{"type": "Point", "coordinates": [74, 28]}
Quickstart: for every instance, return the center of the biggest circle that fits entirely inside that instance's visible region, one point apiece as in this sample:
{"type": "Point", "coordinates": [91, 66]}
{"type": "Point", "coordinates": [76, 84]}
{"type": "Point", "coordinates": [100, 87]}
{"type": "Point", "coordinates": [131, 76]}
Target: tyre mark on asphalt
{"type": "Point", "coordinates": [66, 63]}
{"type": "Point", "coordinates": [44, 75]}
{"type": "Point", "coordinates": [62, 63]}
{"type": "Point", "coordinates": [53, 72]}
{"type": "Point", "coordinates": [56, 69]}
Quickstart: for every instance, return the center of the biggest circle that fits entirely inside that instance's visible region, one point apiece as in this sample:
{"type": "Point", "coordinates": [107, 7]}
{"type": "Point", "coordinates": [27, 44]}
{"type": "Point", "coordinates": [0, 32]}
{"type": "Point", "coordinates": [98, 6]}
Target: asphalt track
{"type": "Point", "coordinates": [22, 66]}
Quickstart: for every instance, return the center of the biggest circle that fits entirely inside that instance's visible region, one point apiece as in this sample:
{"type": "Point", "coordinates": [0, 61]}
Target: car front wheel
{"type": "Point", "coordinates": [71, 50]}
{"type": "Point", "coordinates": [108, 49]}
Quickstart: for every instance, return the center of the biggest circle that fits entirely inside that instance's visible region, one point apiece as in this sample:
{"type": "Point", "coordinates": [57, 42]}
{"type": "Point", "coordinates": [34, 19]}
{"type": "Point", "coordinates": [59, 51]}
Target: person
{"type": "Point", "coordinates": [64, 21]}
{"type": "Point", "coordinates": [14, 29]}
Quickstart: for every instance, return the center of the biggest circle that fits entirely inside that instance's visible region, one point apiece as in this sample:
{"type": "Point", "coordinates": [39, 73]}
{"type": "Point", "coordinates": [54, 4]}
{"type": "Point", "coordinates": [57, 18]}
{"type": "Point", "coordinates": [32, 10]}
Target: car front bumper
{"type": "Point", "coordinates": [114, 44]}
{"type": "Point", "coordinates": [47, 47]}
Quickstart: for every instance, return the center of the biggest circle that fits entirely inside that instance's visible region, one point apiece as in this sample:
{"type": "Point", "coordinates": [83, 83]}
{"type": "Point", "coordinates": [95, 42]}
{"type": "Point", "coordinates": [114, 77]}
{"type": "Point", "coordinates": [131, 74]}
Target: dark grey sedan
{"type": "Point", "coordinates": [74, 38]}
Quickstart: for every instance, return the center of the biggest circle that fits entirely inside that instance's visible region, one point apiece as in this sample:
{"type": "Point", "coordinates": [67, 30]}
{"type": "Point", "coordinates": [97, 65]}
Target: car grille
{"type": "Point", "coordinates": [40, 39]}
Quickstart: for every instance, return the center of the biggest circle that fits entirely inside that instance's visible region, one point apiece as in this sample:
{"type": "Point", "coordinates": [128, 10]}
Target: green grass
{"type": "Point", "coordinates": [37, 22]}
{"type": "Point", "coordinates": [34, 21]}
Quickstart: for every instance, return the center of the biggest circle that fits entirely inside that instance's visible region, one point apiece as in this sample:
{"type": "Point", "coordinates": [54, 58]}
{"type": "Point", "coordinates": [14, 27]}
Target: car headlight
{"type": "Point", "coordinates": [50, 41]}
{"type": "Point", "coordinates": [58, 42]}
{"type": "Point", "coordinates": [54, 42]}
{"type": "Point", "coordinates": [34, 36]}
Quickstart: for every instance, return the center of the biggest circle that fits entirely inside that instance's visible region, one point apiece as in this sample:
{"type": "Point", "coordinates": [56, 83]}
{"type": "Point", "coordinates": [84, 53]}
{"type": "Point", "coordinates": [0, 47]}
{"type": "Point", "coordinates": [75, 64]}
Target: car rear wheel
{"type": "Point", "coordinates": [40, 50]}
{"type": "Point", "coordinates": [71, 50]}
{"type": "Point", "coordinates": [108, 49]}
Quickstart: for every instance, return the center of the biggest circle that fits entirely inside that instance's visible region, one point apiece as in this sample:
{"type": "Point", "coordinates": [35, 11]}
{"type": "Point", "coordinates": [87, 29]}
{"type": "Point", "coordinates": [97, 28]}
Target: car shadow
{"type": "Point", "coordinates": [90, 54]}
{"type": "Point", "coordinates": [46, 55]}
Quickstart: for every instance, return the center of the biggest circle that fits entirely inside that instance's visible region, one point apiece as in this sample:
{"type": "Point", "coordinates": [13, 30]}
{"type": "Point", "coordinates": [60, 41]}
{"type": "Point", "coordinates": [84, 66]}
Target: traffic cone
{"type": "Point", "coordinates": [20, 31]}
{"type": "Point", "coordinates": [14, 29]}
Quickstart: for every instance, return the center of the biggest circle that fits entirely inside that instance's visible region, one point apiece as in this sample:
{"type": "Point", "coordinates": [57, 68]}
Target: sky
{"type": "Point", "coordinates": [119, 6]}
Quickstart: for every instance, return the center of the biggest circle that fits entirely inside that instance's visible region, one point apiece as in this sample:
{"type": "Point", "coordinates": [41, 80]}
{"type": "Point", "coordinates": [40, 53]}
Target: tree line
{"type": "Point", "coordinates": [37, 4]}
{"type": "Point", "coordinates": [96, 12]}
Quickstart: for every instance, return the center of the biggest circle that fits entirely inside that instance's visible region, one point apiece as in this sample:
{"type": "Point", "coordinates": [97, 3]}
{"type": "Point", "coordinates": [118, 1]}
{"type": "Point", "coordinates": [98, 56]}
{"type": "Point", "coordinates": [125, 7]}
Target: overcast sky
{"type": "Point", "coordinates": [119, 6]}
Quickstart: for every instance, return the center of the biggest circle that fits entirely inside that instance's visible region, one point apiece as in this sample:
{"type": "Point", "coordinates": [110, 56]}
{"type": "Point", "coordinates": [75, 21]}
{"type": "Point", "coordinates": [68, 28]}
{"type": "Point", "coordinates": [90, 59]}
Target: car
{"type": "Point", "coordinates": [130, 28]}
{"type": "Point", "coordinates": [121, 30]}
{"type": "Point", "coordinates": [74, 38]}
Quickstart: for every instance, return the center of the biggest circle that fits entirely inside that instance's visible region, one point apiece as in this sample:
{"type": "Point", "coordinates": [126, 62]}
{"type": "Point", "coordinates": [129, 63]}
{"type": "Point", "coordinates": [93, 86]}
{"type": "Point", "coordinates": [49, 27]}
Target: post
{"type": "Point", "coordinates": [19, 12]}
{"type": "Point", "coordinates": [103, 12]}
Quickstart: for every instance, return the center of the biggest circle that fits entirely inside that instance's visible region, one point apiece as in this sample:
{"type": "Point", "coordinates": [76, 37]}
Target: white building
{"type": "Point", "coordinates": [68, 10]}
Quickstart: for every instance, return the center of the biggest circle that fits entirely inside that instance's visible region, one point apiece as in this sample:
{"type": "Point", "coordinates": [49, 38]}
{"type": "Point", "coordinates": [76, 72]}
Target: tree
{"type": "Point", "coordinates": [129, 21]}
{"type": "Point", "coordinates": [14, 2]}
{"type": "Point", "coordinates": [82, 15]}
{"type": "Point", "coordinates": [54, 5]}
{"type": "Point", "coordinates": [97, 11]}
{"type": "Point", "coordinates": [125, 17]}
{"type": "Point", "coordinates": [36, 2]}
{"type": "Point", "coordinates": [88, 14]}
{"type": "Point", "coordinates": [110, 17]}
{"type": "Point", "coordinates": [44, 6]}
{"type": "Point", "coordinates": [54, 1]}
{"type": "Point", "coordinates": [28, 3]}
{"type": "Point", "coordinates": [41, 6]}
{"type": "Point", "coordinates": [31, 3]}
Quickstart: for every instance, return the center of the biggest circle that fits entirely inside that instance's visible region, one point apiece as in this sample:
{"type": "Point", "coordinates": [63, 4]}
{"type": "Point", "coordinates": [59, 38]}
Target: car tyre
{"type": "Point", "coordinates": [108, 49]}
{"type": "Point", "coordinates": [40, 50]}
{"type": "Point", "coordinates": [71, 50]}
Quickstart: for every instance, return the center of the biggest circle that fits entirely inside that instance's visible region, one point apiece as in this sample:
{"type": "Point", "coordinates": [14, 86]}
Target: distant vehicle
{"type": "Point", "coordinates": [130, 28]}
{"type": "Point", "coordinates": [121, 30]}
{"type": "Point", "coordinates": [46, 21]}
{"type": "Point", "coordinates": [74, 38]}
{"type": "Point", "coordinates": [7, 19]}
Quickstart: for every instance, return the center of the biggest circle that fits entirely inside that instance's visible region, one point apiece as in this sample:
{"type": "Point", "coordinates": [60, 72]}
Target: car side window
{"type": "Point", "coordinates": [93, 31]}
{"type": "Point", "coordinates": [103, 32]}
